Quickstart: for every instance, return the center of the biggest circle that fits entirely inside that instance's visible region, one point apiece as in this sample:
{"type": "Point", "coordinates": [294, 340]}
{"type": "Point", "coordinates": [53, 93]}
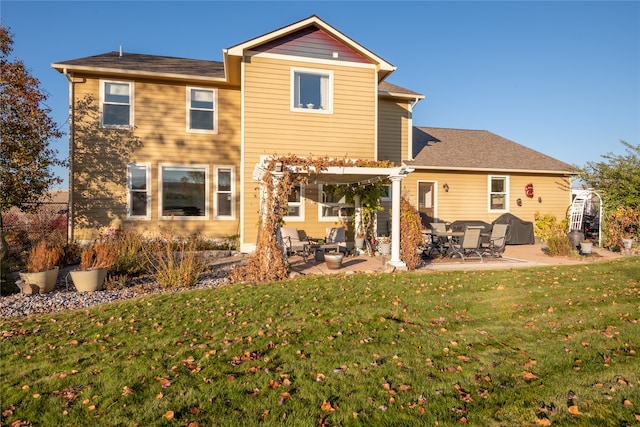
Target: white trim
{"type": "Point", "coordinates": [131, 104]}
{"type": "Point", "coordinates": [292, 90]}
{"type": "Point", "coordinates": [214, 111]}
{"type": "Point", "coordinates": [137, 73]}
{"type": "Point", "coordinates": [244, 247]}
{"type": "Point", "coordinates": [232, 192]}
{"type": "Point", "coordinates": [147, 167]}
{"type": "Point", "coordinates": [207, 179]}
{"type": "Point", "coordinates": [498, 171]}
{"type": "Point", "coordinates": [315, 61]}
{"type": "Point", "coordinates": [506, 193]}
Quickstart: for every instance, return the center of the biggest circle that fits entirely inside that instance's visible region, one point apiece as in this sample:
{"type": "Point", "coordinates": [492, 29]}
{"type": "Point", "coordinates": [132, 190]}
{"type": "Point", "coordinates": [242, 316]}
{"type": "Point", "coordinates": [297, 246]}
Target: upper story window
{"type": "Point", "coordinates": [311, 90]}
{"type": "Point", "coordinates": [139, 186]}
{"type": "Point", "coordinates": [117, 104]}
{"type": "Point", "coordinates": [183, 191]}
{"type": "Point", "coordinates": [295, 211]}
{"type": "Point", "coordinates": [334, 206]}
{"type": "Point", "coordinates": [201, 110]}
{"type": "Point", "coordinates": [498, 193]}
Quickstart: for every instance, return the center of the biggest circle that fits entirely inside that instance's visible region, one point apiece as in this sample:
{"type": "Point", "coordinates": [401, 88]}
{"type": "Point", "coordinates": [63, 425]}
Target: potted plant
{"type": "Point", "coordinates": [586, 247]}
{"type": "Point", "coordinates": [359, 239]}
{"type": "Point", "coordinates": [95, 260]}
{"type": "Point", "coordinates": [384, 245]}
{"type": "Point", "coordinates": [42, 268]}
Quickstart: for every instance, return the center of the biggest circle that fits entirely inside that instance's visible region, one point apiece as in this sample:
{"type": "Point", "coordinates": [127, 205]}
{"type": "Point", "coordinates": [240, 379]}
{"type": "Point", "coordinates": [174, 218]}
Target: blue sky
{"type": "Point", "coordinates": [562, 78]}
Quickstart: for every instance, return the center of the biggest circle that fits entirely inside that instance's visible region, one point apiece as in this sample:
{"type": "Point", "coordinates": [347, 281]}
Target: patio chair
{"type": "Point", "coordinates": [497, 242]}
{"type": "Point", "coordinates": [468, 245]}
{"type": "Point", "coordinates": [440, 243]}
{"type": "Point", "coordinates": [295, 241]}
{"type": "Point", "coordinates": [337, 236]}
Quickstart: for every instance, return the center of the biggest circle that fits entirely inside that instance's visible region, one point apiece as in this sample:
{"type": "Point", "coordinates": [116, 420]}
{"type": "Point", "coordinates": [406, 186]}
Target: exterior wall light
{"type": "Point", "coordinates": [446, 187]}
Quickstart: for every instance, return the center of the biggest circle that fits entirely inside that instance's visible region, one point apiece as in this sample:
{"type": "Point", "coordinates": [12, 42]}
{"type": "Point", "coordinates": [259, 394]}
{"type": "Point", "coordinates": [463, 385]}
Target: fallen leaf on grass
{"type": "Point", "coordinates": [573, 410]}
{"type": "Point", "coordinates": [168, 415]}
{"type": "Point", "coordinates": [326, 406]}
{"type": "Point", "coordinates": [528, 376]}
{"type": "Point", "coordinates": [544, 422]}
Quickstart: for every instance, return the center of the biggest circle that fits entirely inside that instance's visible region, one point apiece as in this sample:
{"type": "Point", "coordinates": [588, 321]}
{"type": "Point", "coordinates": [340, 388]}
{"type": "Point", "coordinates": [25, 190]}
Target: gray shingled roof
{"type": "Point", "coordinates": [395, 89]}
{"type": "Point", "coordinates": [148, 64]}
{"type": "Point", "coordinates": [145, 64]}
{"type": "Point", "coordinates": [441, 148]}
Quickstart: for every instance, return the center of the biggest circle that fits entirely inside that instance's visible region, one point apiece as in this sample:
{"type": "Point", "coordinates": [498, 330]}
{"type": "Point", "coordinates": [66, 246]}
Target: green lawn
{"type": "Point", "coordinates": [546, 346]}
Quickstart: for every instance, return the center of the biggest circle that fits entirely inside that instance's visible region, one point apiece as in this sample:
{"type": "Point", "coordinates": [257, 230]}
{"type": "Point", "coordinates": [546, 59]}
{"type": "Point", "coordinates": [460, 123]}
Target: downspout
{"type": "Point", "coordinates": [410, 132]}
{"type": "Point", "coordinates": [70, 229]}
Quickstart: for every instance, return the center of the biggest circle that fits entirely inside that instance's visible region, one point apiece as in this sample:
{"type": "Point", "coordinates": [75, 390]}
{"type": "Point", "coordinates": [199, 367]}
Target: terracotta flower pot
{"type": "Point", "coordinates": [89, 280]}
{"type": "Point", "coordinates": [44, 280]}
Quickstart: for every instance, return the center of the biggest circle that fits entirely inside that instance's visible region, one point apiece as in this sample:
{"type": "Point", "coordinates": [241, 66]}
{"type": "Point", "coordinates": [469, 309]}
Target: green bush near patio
{"type": "Point", "coordinates": [544, 346]}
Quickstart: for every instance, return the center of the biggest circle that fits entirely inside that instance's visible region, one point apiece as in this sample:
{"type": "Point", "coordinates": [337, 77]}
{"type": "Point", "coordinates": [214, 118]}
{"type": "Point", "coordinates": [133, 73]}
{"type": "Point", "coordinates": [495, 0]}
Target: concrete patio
{"type": "Point", "coordinates": [515, 256]}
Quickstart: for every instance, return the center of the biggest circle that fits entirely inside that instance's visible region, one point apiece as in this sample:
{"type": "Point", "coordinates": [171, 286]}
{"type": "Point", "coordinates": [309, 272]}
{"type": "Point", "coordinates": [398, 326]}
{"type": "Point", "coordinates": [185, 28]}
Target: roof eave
{"type": "Point", "coordinates": [121, 72]}
{"type": "Point", "coordinates": [497, 170]}
{"type": "Point", "coordinates": [412, 96]}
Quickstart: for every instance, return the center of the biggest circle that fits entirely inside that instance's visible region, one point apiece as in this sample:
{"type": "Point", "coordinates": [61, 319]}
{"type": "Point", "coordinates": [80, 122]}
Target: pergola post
{"type": "Point", "coordinates": [396, 191]}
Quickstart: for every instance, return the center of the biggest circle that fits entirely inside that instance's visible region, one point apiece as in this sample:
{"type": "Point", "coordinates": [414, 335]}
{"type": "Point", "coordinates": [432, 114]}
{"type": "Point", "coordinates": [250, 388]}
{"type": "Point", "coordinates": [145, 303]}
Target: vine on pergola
{"type": "Point", "coordinates": [268, 262]}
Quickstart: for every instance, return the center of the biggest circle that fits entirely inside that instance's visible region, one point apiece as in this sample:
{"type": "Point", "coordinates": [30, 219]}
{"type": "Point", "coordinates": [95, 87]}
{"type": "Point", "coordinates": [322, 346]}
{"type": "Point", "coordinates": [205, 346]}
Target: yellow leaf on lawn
{"type": "Point", "coordinates": [326, 406]}
{"type": "Point", "coordinates": [543, 422]}
{"type": "Point", "coordinates": [573, 410]}
{"type": "Point", "coordinates": [528, 376]}
{"type": "Point", "coordinates": [168, 415]}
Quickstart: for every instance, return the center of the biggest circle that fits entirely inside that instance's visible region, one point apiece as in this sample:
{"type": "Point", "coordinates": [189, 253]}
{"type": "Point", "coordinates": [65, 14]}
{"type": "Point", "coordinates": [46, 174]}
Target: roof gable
{"type": "Point", "coordinates": [312, 42]}
{"type": "Point", "coordinates": [314, 22]}
{"type": "Point", "coordinates": [462, 149]}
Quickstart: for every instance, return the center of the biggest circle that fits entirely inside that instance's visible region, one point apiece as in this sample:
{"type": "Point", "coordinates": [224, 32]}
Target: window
{"type": "Point", "coordinates": [312, 90]}
{"type": "Point", "coordinates": [334, 206]}
{"type": "Point", "coordinates": [294, 204]}
{"type": "Point", "coordinates": [183, 191]}
{"type": "Point", "coordinates": [139, 199]}
{"type": "Point", "coordinates": [117, 111]}
{"type": "Point", "coordinates": [201, 110]}
{"type": "Point", "coordinates": [224, 192]}
{"type": "Point", "coordinates": [386, 195]}
{"type": "Point", "coordinates": [498, 193]}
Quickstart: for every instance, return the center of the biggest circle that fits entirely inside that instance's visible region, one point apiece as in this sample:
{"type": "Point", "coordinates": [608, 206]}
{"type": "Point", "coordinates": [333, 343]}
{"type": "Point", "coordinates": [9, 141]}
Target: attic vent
{"type": "Point", "coordinates": [335, 54]}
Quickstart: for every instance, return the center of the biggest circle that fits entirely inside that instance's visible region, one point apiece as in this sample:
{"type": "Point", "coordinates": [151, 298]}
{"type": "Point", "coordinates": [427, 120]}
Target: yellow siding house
{"type": "Point", "coordinates": [159, 141]}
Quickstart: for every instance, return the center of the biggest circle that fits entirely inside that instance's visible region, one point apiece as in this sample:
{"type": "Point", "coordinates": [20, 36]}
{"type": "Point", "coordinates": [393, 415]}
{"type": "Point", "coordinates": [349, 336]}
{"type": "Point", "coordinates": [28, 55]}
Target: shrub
{"type": "Point", "coordinates": [547, 226]}
{"type": "Point", "coordinates": [559, 246]}
{"type": "Point", "coordinates": [98, 255]}
{"type": "Point", "coordinates": [130, 258]}
{"type": "Point", "coordinates": [411, 235]}
{"type": "Point", "coordinates": [175, 262]}
{"type": "Point", "coordinates": [622, 223]}
{"type": "Point", "coordinates": [43, 256]}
